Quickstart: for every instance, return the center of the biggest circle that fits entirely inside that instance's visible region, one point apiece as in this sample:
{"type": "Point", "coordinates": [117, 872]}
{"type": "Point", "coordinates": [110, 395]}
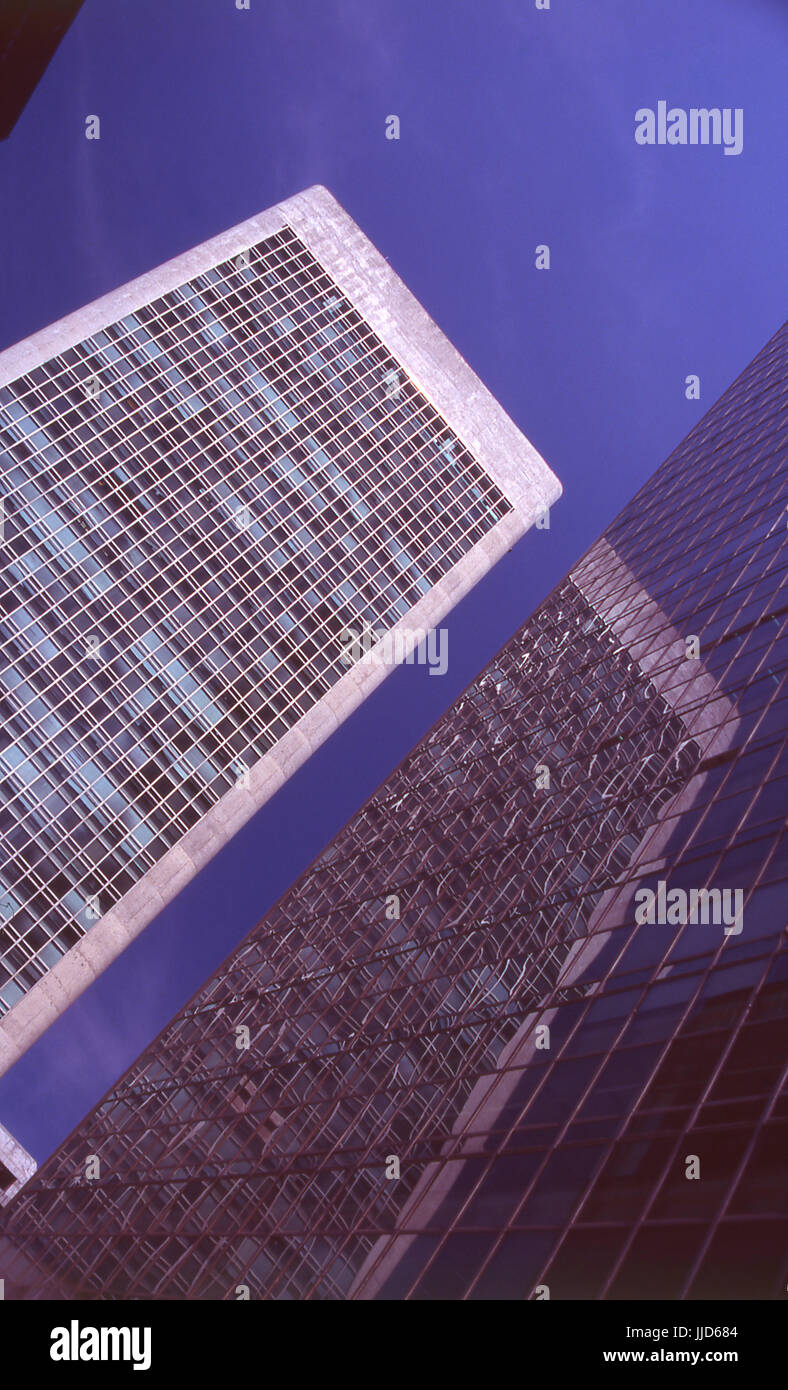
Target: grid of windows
{"type": "Point", "coordinates": [198, 501]}
{"type": "Point", "coordinates": [393, 997]}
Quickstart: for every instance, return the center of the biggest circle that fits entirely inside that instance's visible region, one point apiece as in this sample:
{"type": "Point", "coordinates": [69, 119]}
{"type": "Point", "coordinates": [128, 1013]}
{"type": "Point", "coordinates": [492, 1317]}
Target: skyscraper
{"type": "Point", "coordinates": [212, 478]}
{"type": "Point", "coordinates": [519, 1032]}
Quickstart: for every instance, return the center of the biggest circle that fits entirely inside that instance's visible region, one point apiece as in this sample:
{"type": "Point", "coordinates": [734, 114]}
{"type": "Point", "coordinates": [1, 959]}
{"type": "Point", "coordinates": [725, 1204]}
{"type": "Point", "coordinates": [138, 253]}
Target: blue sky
{"type": "Point", "coordinates": [517, 129]}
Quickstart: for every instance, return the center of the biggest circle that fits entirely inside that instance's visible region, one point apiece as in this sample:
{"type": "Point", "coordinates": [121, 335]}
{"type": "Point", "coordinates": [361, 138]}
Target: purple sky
{"type": "Point", "coordinates": [517, 128]}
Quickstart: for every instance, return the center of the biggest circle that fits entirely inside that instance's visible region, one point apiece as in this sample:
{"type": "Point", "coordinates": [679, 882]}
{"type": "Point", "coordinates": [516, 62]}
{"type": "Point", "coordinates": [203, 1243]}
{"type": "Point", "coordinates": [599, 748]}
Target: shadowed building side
{"type": "Point", "coordinates": [30, 31]}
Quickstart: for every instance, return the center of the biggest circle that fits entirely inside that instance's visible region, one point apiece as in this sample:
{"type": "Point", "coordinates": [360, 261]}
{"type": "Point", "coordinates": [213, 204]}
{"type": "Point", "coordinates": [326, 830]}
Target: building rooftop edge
{"type": "Point", "coordinates": [392, 311]}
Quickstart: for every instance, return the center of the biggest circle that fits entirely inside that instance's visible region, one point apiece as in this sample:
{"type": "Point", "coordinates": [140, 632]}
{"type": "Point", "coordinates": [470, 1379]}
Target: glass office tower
{"type": "Point", "coordinates": [208, 479]}
{"type": "Point", "coordinates": [520, 1031]}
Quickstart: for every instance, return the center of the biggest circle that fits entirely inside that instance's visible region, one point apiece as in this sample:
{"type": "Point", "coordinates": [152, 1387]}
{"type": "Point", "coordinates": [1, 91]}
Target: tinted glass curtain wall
{"type": "Point", "coordinates": [520, 1031]}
